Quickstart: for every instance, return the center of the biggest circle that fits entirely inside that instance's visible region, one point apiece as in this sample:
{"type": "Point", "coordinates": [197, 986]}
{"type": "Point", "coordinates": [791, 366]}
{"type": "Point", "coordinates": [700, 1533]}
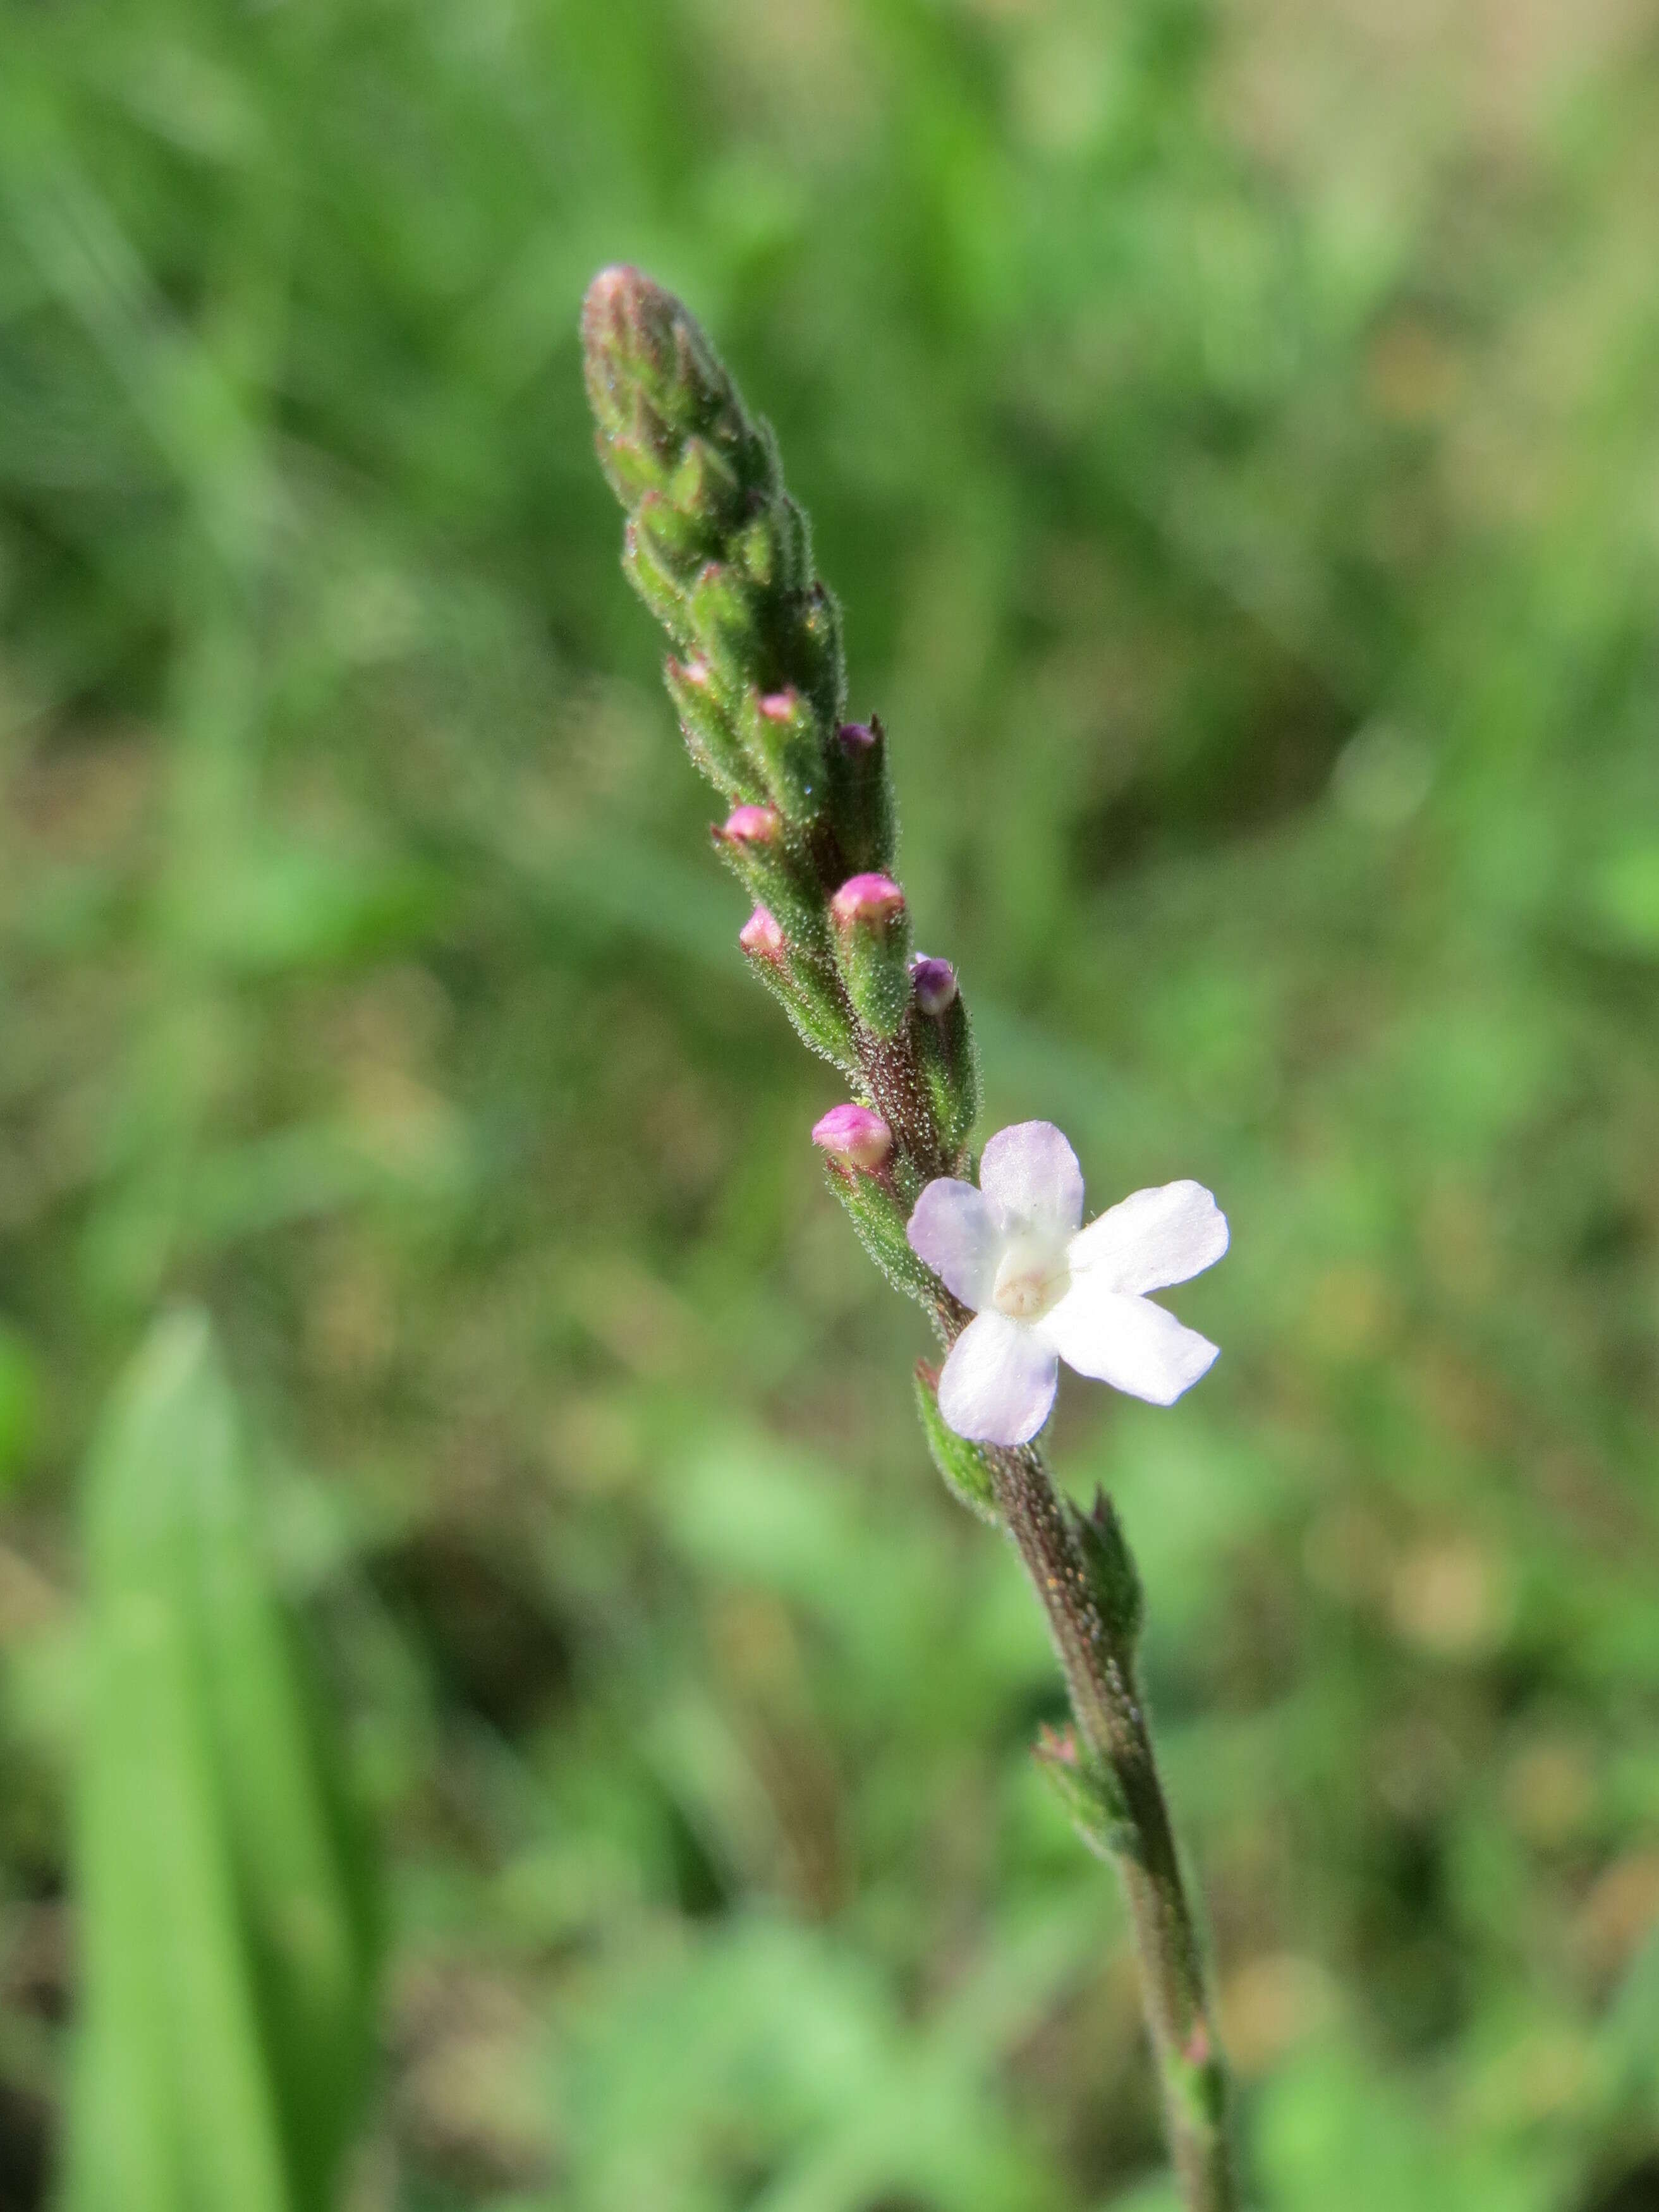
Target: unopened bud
{"type": "Point", "coordinates": [872, 943]}
{"type": "Point", "coordinates": [1087, 1789]}
{"type": "Point", "coordinates": [722, 618]}
{"type": "Point", "coordinates": [944, 1042]}
{"type": "Point", "coordinates": [751, 825]}
{"type": "Point", "coordinates": [781, 735]}
{"type": "Point", "coordinates": [776, 874]}
{"type": "Point", "coordinates": [860, 794]}
{"type": "Point", "coordinates": [709, 736]}
{"type": "Point", "coordinates": [934, 982]}
{"type": "Point", "coordinates": [867, 899]}
{"type": "Point", "coordinates": [854, 1135]}
{"type": "Point", "coordinates": [761, 938]}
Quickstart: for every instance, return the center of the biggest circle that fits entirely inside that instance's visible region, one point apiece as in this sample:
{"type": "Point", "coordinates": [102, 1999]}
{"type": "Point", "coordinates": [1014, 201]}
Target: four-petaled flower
{"type": "Point", "coordinates": [1043, 1289]}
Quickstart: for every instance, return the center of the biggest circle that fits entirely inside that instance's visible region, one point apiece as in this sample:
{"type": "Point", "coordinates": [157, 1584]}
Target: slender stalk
{"type": "Point", "coordinates": [721, 555]}
{"type": "Point", "coordinates": [1098, 1660]}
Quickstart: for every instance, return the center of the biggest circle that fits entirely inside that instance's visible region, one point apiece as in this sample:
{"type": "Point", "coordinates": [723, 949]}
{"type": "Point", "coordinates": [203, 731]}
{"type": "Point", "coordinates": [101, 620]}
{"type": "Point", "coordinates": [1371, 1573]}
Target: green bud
{"type": "Point", "coordinates": [966, 1467]}
{"type": "Point", "coordinates": [680, 540]}
{"type": "Point", "coordinates": [726, 622]}
{"type": "Point", "coordinates": [755, 844]}
{"type": "Point", "coordinates": [710, 738]}
{"type": "Point", "coordinates": [879, 1217]}
{"type": "Point", "coordinates": [1114, 1581]}
{"type": "Point", "coordinates": [772, 550]}
{"type": "Point", "coordinates": [1087, 1789]}
{"type": "Point", "coordinates": [780, 738]}
{"type": "Point", "coordinates": [637, 340]}
{"type": "Point", "coordinates": [705, 484]}
{"type": "Point", "coordinates": [862, 796]}
{"type": "Point", "coordinates": [654, 578]}
{"type": "Point", "coordinates": [819, 666]}
{"type": "Point", "coordinates": [873, 947]}
{"type": "Point", "coordinates": [805, 986]}
{"type": "Point", "coordinates": [946, 1053]}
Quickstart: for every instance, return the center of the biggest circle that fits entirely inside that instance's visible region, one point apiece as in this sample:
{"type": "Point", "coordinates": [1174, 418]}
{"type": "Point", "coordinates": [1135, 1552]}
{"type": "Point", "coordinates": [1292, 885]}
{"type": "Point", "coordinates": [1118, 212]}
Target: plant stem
{"type": "Point", "coordinates": [1100, 1675]}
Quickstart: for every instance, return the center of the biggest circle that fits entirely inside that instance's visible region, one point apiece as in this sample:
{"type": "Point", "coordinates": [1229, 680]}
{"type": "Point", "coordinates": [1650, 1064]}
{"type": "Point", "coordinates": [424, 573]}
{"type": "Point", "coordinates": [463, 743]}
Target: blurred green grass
{"type": "Point", "coordinates": [1232, 436]}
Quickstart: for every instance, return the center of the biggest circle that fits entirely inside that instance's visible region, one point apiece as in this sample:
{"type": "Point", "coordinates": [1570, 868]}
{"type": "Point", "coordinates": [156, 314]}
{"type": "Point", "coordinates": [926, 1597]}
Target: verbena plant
{"type": "Point", "coordinates": [1011, 1280]}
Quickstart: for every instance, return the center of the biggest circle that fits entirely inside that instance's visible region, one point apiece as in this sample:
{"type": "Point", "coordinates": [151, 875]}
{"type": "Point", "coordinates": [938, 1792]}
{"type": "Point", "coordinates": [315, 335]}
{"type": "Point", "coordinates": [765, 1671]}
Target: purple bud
{"type": "Point", "coordinates": [934, 982]}
{"type": "Point", "coordinates": [761, 936]}
{"type": "Point", "coordinates": [749, 825]}
{"type": "Point", "coordinates": [853, 1135]}
{"type": "Point", "coordinates": [868, 898]}
{"type": "Point", "coordinates": [856, 738]}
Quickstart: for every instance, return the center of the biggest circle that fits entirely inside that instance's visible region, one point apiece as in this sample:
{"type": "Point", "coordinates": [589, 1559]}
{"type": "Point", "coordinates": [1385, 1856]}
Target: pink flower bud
{"type": "Point", "coordinates": [867, 899]}
{"type": "Point", "coordinates": [853, 1135]}
{"type": "Point", "coordinates": [934, 982]}
{"type": "Point", "coordinates": [778, 706]}
{"type": "Point", "coordinates": [695, 672]}
{"type": "Point", "coordinates": [856, 738]}
{"type": "Point", "coordinates": [761, 936]}
{"type": "Point", "coordinates": [751, 825]}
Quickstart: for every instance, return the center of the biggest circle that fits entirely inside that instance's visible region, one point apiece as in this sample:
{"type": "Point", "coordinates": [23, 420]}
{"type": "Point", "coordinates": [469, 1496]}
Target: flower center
{"type": "Point", "coordinates": [1032, 1278]}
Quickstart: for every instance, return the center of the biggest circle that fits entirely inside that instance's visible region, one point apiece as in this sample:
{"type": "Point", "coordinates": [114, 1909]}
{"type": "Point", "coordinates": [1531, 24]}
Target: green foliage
{"type": "Point", "coordinates": [225, 1929]}
{"type": "Point", "coordinates": [1231, 435]}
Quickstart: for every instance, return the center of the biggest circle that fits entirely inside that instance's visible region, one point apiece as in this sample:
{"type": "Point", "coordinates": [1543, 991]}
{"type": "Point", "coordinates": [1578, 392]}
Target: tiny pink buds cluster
{"type": "Point", "coordinates": [721, 554]}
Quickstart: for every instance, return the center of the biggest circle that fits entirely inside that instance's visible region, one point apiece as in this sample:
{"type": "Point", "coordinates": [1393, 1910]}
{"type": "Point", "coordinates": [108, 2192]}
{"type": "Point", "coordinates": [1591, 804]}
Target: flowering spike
{"type": "Point", "coordinates": [862, 794]}
{"type": "Point", "coordinates": [855, 1135]}
{"type": "Point", "coordinates": [873, 944]}
{"type": "Point", "coordinates": [723, 556]}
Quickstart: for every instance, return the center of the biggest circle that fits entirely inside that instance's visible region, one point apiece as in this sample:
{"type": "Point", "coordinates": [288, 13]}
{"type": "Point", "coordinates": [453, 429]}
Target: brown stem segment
{"type": "Point", "coordinates": [1100, 1675]}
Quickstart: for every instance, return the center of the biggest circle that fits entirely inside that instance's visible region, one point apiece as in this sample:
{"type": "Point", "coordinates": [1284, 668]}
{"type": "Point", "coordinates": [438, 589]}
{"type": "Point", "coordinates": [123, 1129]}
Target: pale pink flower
{"type": "Point", "coordinates": [1044, 1289]}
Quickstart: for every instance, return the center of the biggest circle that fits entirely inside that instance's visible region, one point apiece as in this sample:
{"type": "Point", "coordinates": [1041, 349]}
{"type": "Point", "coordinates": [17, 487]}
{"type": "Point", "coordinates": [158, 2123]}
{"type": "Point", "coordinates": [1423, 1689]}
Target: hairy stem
{"type": "Point", "coordinates": [721, 555]}
{"type": "Point", "coordinates": [1099, 1665]}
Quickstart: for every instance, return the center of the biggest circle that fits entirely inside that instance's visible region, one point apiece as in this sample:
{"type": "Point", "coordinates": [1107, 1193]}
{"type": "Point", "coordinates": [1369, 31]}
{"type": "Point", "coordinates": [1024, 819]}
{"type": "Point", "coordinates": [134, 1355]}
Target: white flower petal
{"type": "Point", "coordinates": [955, 1232]}
{"type": "Point", "coordinates": [1153, 1239]}
{"type": "Point", "coordinates": [1031, 1175]}
{"type": "Point", "coordinates": [1128, 1342]}
{"type": "Point", "coordinates": [999, 1382]}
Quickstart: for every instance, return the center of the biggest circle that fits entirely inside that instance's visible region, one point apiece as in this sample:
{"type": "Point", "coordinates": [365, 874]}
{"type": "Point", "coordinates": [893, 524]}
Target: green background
{"type": "Point", "coordinates": [1232, 434]}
